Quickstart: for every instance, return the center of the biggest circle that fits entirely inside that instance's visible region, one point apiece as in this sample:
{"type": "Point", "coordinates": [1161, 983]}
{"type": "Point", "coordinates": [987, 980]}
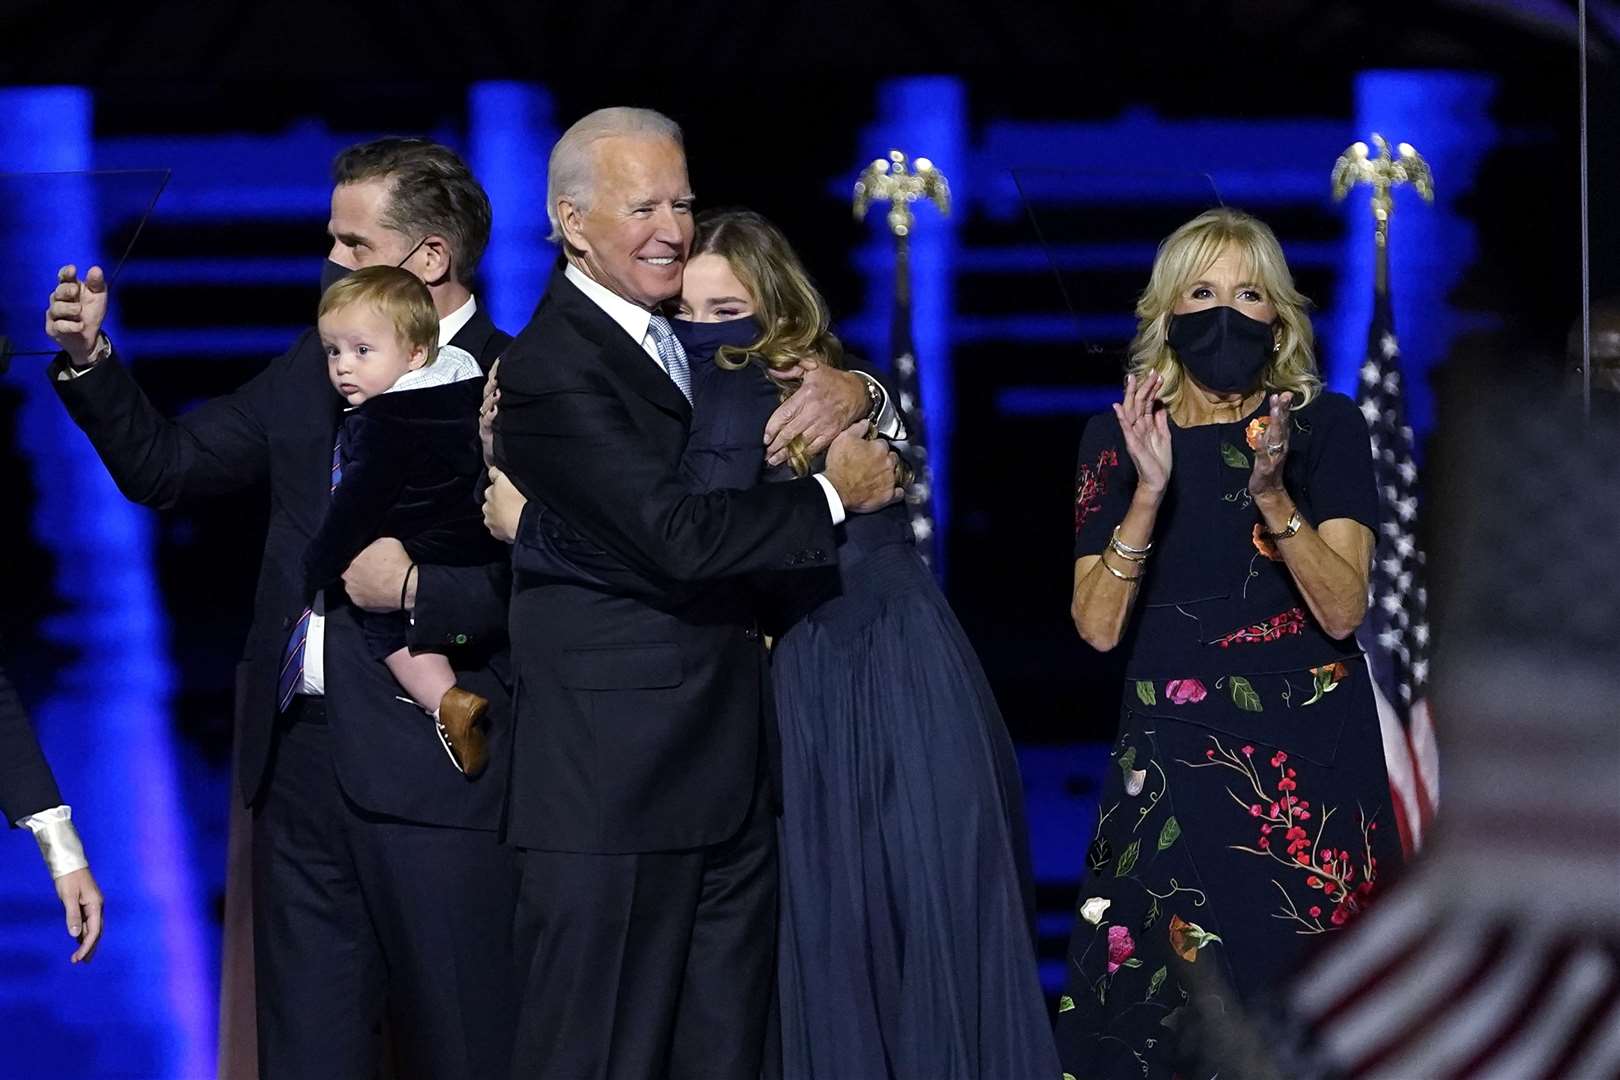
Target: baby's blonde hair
{"type": "Point", "coordinates": [397, 295]}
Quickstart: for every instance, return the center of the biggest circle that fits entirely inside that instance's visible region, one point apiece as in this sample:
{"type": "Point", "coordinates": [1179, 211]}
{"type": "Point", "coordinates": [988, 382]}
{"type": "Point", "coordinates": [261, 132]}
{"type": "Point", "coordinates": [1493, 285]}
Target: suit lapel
{"type": "Point", "coordinates": [625, 357]}
{"type": "Point", "coordinates": [475, 337]}
{"type": "Point", "coordinates": [307, 456]}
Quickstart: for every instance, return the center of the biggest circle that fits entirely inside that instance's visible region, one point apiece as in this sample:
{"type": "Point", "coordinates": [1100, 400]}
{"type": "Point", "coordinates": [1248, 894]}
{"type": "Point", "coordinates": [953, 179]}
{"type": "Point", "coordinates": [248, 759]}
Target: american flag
{"type": "Point", "coordinates": [914, 448]}
{"type": "Point", "coordinates": [1395, 635]}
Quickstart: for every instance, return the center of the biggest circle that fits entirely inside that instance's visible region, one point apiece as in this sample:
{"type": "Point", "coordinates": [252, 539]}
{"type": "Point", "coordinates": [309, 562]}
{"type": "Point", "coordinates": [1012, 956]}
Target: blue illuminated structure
{"type": "Point", "coordinates": [510, 130]}
{"type": "Point", "coordinates": [924, 117]}
{"type": "Point", "coordinates": [145, 1007]}
{"type": "Point", "coordinates": [1446, 116]}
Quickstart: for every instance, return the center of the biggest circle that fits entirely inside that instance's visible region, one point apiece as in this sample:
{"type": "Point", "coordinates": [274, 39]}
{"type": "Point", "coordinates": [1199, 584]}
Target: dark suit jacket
{"type": "Point", "coordinates": [281, 426]}
{"type": "Point", "coordinates": [411, 470]}
{"type": "Point", "coordinates": [639, 718]}
{"type": "Point", "coordinates": [725, 449]}
{"type": "Point", "coordinates": [26, 783]}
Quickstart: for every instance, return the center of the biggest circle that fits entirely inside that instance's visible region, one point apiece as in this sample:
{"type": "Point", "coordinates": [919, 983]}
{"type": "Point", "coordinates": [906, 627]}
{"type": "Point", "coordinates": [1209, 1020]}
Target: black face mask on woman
{"type": "Point", "coordinates": [1224, 349]}
{"type": "Point", "coordinates": [702, 340]}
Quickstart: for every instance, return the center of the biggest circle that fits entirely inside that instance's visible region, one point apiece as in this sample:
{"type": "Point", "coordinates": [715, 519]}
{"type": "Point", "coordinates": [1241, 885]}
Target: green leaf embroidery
{"type": "Point", "coordinates": [1152, 915]}
{"type": "Point", "coordinates": [1065, 1004]}
{"type": "Point", "coordinates": [1127, 760]}
{"type": "Point", "coordinates": [1325, 683]}
{"type": "Point", "coordinates": [1133, 962]}
{"type": "Point", "coordinates": [1243, 695]}
{"type": "Point", "coordinates": [1153, 983]}
{"type": "Point", "coordinates": [1170, 833]}
{"type": "Point", "coordinates": [1234, 457]}
{"type": "Point", "coordinates": [1100, 853]}
{"type": "Point", "coordinates": [1127, 861]}
{"type": "Point", "coordinates": [1144, 692]}
{"type": "Point", "coordinates": [1068, 1076]}
{"type": "Point", "coordinates": [1320, 690]}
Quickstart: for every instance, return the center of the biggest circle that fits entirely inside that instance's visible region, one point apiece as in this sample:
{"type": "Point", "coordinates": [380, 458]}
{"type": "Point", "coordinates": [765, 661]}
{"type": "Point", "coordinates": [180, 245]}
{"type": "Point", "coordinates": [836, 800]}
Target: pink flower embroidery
{"type": "Point", "coordinates": [1120, 947]}
{"type": "Point", "coordinates": [1091, 486]}
{"type": "Point", "coordinates": [1182, 691]}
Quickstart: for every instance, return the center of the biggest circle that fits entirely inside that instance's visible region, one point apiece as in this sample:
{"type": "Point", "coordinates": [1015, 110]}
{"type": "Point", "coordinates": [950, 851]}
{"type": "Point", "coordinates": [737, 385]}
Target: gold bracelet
{"type": "Point", "coordinates": [1134, 553]}
{"type": "Point", "coordinates": [1116, 573]}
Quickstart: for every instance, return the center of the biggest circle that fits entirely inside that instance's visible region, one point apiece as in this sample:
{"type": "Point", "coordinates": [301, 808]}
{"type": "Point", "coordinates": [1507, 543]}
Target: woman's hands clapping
{"type": "Point", "coordinates": [1266, 478]}
{"type": "Point", "coordinates": [1146, 425]}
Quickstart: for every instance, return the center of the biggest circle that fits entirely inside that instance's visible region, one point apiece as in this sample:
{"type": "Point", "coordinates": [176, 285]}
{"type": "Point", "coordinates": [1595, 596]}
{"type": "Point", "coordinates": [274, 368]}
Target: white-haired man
{"type": "Point", "coordinates": [639, 792]}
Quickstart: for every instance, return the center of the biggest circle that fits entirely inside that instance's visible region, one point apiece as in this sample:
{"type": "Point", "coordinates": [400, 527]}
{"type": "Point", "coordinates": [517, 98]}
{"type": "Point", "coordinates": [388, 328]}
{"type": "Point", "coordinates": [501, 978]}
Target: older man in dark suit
{"type": "Point", "coordinates": [647, 913]}
{"type": "Point", "coordinates": [379, 883]}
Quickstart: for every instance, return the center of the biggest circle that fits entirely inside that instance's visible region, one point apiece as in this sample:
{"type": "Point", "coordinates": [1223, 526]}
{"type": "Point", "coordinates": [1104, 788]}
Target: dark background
{"type": "Point", "coordinates": [773, 99]}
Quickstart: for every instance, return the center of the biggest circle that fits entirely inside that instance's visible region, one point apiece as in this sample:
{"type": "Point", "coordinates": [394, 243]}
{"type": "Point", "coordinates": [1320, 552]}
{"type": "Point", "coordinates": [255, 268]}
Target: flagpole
{"type": "Point", "coordinates": [1395, 634]}
{"type": "Point", "coordinates": [901, 181]}
{"type": "Point", "coordinates": [1586, 237]}
{"type": "Point", "coordinates": [1384, 173]}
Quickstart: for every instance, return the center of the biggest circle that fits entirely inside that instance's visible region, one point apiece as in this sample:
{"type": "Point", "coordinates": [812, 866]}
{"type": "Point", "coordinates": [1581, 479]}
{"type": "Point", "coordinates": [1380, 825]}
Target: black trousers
{"type": "Point", "coordinates": [356, 917]}
{"type": "Point", "coordinates": [654, 966]}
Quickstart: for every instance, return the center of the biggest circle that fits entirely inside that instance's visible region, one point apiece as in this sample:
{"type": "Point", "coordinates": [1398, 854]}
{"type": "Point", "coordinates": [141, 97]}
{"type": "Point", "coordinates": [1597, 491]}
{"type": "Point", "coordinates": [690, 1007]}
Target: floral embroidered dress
{"type": "Point", "coordinates": [1246, 812]}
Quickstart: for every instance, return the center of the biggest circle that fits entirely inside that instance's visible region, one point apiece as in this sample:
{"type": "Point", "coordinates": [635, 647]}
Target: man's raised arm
{"type": "Point", "coordinates": [218, 447]}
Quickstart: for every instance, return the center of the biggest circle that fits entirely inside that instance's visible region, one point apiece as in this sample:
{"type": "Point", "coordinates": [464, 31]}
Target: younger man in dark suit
{"type": "Point", "coordinates": [379, 884]}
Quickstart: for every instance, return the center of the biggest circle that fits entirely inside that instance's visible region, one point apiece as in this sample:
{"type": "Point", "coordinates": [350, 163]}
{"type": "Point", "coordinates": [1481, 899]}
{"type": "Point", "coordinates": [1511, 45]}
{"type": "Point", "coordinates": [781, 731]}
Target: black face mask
{"type": "Point", "coordinates": [332, 273]}
{"type": "Point", "coordinates": [702, 340]}
{"type": "Point", "coordinates": [1224, 349]}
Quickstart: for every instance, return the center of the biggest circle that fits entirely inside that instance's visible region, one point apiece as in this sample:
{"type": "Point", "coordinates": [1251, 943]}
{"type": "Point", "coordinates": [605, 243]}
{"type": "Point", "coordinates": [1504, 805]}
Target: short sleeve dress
{"type": "Point", "coordinates": [1246, 811]}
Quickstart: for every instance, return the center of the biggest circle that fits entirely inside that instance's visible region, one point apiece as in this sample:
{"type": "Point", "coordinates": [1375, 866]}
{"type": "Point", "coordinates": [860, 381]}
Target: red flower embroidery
{"type": "Point", "coordinates": [1120, 947]}
{"type": "Point", "coordinates": [1092, 486]}
{"type": "Point", "coordinates": [1330, 871]}
{"type": "Point", "coordinates": [1291, 621]}
{"type": "Point", "coordinates": [1182, 691]}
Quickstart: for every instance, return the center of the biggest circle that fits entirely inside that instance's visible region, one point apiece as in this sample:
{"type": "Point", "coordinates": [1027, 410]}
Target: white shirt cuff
{"type": "Point", "coordinates": [889, 424]}
{"type": "Point", "coordinates": [58, 840]}
{"type": "Point", "coordinates": [834, 503]}
{"type": "Point", "coordinates": [314, 684]}
{"type": "Point", "coordinates": [102, 350]}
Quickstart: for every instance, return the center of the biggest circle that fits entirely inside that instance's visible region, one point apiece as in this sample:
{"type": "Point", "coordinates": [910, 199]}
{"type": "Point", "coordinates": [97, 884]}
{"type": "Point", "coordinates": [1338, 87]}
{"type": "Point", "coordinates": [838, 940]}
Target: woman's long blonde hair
{"type": "Point", "coordinates": [1187, 253]}
{"type": "Point", "coordinates": [793, 317]}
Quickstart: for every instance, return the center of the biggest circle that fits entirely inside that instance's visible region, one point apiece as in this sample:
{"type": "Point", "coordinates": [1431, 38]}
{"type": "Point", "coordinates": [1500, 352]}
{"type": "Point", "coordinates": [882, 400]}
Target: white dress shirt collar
{"type": "Point", "coordinates": [632, 317]}
{"type": "Point", "coordinates": [451, 324]}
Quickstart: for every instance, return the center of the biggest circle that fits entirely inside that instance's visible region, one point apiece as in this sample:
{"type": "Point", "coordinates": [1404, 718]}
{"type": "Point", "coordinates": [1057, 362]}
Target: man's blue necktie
{"type": "Point", "coordinates": [292, 658]}
{"type": "Point", "coordinates": [672, 354]}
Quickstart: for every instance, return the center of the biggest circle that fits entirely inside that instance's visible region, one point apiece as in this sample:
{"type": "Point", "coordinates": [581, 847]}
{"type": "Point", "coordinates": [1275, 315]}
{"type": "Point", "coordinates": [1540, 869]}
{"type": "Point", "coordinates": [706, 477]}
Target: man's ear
{"type": "Point", "coordinates": [571, 220]}
{"type": "Point", "coordinates": [435, 259]}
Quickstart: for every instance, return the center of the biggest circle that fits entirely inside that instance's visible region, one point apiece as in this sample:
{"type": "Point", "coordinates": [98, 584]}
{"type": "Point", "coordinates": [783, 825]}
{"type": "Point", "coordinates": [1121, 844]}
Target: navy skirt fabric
{"type": "Point", "coordinates": [906, 943]}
